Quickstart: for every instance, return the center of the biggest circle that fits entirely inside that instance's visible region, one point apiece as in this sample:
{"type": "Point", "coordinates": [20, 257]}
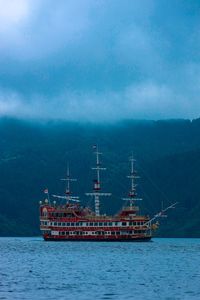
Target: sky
{"type": "Point", "coordinates": [99, 60]}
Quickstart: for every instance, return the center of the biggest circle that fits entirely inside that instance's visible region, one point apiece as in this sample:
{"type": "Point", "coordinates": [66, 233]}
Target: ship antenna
{"type": "Point", "coordinates": [97, 185]}
{"type": "Point", "coordinates": [68, 192]}
{"type": "Point", "coordinates": [133, 175]}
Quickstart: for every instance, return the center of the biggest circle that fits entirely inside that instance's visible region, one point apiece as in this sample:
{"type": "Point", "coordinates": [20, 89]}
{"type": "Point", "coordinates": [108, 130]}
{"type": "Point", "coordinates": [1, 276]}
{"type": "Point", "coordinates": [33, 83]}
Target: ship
{"type": "Point", "coordinates": [71, 221]}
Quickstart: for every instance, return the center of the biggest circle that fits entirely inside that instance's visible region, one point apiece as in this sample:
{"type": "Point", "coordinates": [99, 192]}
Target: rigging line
{"type": "Point", "coordinates": [154, 184]}
{"type": "Point", "coordinates": [149, 198]}
{"type": "Point", "coordinates": [112, 178]}
{"type": "Point", "coordinates": [124, 186]}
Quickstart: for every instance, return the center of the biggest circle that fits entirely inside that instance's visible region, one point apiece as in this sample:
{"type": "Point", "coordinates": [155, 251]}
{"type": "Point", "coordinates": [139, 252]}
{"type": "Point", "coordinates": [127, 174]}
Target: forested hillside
{"type": "Point", "coordinates": [34, 156]}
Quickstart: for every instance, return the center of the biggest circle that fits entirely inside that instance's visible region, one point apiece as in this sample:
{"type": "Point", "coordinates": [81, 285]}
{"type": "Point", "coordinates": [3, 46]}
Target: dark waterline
{"type": "Point", "coordinates": [165, 269]}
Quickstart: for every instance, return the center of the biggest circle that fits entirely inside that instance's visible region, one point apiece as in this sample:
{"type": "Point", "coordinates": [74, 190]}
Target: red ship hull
{"type": "Point", "coordinates": [135, 239]}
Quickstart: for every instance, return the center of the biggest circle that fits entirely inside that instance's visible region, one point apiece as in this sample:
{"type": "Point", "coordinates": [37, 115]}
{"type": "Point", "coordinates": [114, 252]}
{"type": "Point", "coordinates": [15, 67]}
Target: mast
{"type": "Point", "coordinates": [68, 194]}
{"type": "Point", "coordinates": [132, 196]}
{"type": "Point", "coordinates": [97, 185]}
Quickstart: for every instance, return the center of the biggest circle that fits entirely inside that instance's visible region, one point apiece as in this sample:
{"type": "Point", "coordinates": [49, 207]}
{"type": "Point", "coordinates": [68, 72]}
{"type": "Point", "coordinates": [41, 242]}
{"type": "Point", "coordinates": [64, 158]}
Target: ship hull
{"type": "Point", "coordinates": [127, 239]}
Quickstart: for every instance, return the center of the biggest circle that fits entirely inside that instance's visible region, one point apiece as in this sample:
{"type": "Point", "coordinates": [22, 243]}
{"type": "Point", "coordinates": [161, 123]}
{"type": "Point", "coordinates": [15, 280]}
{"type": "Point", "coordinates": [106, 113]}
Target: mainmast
{"type": "Point", "coordinates": [132, 196]}
{"type": "Point", "coordinates": [97, 185]}
{"type": "Point", "coordinates": [68, 194]}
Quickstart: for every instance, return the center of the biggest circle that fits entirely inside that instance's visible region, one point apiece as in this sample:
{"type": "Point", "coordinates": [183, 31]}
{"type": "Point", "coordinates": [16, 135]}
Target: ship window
{"type": "Point", "coordinates": [77, 224]}
{"type": "Point", "coordinates": [91, 224]}
{"type": "Point", "coordinates": [123, 223]}
{"type": "Point", "coordinates": [59, 224]}
{"type": "Point", "coordinates": [63, 233]}
{"type": "Point", "coordinates": [72, 224]}
{"type": "Point", "coordinates": [105, 224]}
{"type": "Point", "coordinates": [63, 224]}
{"type": "Point", "coordinates": [100, 224]}
{"type": "Point", "coordinates": [55, 224]}
{"type": "Point", "coordinates": [117, 232]}
{"type": "Point", "coordinates": [68, 224]}
{"type": "Point", "coordinates": [110, 223]}
{"type": "Point", "coordinates": [67, 233]}
{"type": "Point", "coordinates": [116, 223]}
{"type": "Point", "coordinates": [95, 224]}
{"type": "Point", "coordinates": [112, 232]}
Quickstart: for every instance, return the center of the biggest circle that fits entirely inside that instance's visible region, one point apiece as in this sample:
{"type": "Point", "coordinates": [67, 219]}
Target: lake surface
{"type": "Point", "coordinates": [163, 269]}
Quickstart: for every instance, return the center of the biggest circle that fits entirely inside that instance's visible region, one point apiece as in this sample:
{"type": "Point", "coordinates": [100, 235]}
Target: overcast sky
{"type": "Point", "coordinates": [100, 60]}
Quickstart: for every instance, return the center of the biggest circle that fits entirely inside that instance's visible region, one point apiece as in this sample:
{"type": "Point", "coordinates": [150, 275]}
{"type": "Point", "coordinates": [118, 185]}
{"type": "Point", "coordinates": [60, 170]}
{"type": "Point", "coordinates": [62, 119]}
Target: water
{"type": "Point", "coordinates": [163, 269]}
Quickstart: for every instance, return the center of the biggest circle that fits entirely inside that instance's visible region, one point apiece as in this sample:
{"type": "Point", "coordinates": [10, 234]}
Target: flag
{"type": "Point", "coordinates": [46, 191]}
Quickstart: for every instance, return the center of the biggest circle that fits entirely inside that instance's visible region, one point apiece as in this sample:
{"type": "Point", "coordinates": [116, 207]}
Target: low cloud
{"type": "Point", "coordinates": [142, 101]}
{"type": "Point", "coordinates": [99, 60]}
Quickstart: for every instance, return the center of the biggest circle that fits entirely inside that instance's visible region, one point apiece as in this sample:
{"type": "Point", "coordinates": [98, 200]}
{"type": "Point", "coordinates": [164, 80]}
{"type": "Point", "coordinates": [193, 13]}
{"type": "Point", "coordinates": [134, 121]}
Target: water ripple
{"type": "Point", "coordinates": [165, 269]}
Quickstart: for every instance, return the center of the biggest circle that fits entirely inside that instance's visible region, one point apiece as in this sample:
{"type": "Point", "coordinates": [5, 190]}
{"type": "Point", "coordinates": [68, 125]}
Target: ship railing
{"type": "Point", "coordinates": [130, 208]}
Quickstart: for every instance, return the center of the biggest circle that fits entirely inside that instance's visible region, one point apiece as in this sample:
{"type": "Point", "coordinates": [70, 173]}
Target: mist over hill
{"type": "Point", "coordinates": [34, 156]}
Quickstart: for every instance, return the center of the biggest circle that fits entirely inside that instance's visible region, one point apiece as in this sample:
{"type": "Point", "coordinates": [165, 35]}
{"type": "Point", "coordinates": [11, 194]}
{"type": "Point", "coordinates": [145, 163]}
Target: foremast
{"type": "Point", "coordinates": [96, 193]}
{"type": "Point", "coordinates": [68, 193]}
